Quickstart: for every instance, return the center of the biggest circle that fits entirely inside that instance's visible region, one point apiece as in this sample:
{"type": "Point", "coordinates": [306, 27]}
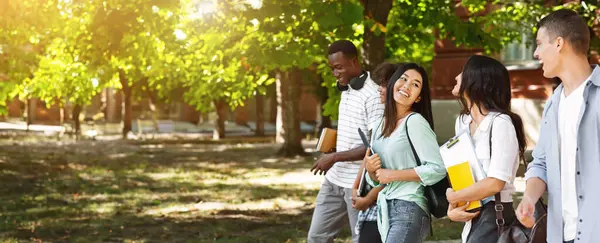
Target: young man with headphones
{"type": "Point", "coordinates": [359, 108]}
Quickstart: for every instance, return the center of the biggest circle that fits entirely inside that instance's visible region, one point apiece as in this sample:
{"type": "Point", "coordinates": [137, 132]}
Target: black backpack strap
{"type": "Point", "coordinates": [412, 147]}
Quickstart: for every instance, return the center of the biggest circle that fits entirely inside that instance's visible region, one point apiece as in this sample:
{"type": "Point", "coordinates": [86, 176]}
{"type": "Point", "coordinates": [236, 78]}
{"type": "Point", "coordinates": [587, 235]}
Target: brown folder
{"type": "Point", "coordinates": [327, 141]}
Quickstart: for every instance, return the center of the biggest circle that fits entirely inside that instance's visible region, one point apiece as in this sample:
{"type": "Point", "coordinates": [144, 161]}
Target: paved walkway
{"type": "Point", "coordinates": [147, 127]}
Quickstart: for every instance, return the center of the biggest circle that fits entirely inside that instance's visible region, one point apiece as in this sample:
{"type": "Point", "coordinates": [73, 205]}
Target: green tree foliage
{"type": "Point", "coordinates": [62, 75]}
{"type": "Point", "coordinates": [207, 52]}
{"type": "Point", "coordinates": [290, 39]}
{"type": "Point", "coordinates": [213, 60]}
{"type": "Point", "coordinates": [413, 27]}
{"type": "Point", "coordinates": [125, 38]}
{"type": "Point", "coordinates": [25, 26]}
{"type": "Point", "coordinates": [240, 48]}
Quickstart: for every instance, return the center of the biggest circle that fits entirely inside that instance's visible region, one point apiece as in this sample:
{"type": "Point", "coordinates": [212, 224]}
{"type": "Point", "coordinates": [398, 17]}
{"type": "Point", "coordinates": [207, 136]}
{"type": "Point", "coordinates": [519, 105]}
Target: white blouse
{"type": "Point", "coordinates": [504, 160]}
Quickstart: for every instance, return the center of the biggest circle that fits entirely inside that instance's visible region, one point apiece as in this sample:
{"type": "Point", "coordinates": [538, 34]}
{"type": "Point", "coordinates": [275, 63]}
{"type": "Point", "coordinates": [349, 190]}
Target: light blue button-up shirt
{"type": "Point", "coordinates": [546, 163]}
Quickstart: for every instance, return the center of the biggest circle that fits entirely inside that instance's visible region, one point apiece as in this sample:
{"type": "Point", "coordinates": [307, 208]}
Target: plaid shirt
{"type": "Point", "coordinates": [367, 215]}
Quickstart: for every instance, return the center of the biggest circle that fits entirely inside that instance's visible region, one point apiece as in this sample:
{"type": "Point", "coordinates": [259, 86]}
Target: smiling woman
{"type": "Point", "coordinates": [410, 86]}
{"type": "Point", "coordinates": [403, 213]}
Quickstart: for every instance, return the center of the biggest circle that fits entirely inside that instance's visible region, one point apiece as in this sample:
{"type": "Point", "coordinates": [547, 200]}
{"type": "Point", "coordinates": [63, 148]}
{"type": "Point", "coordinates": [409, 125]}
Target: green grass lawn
{"type": "Point", "coordinates": [158, 191]}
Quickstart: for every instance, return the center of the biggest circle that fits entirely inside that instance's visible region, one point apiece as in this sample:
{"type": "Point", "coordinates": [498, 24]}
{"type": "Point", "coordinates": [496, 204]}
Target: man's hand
{"type": "Point", "coordinates": [323, 164]}
{"type": "Point", "coordinates": [384, 176]}
{"type": "Point", "coordinates": [451, 196]}
{"type": "Point", "coordinates": [459, 214]}
{"type": "Point", "coordinates": [373, 162]}
{"type": "Point", "coordinates": [525, 211]}
{"type": "Point", "coordinates": [361, 203]}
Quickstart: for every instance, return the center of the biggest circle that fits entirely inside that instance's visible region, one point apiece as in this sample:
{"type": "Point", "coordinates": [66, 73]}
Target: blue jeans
{"type": "Point", "coordinates": [408, 222]}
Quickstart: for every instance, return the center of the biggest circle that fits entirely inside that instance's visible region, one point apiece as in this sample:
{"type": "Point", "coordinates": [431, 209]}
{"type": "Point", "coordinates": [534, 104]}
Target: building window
{"type": "Point", "coordinates": [519, 54]}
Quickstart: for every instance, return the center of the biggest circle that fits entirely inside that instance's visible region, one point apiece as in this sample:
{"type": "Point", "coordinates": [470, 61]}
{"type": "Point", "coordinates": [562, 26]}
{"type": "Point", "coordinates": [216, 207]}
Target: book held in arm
{"type": "Point", "coordinates": [464, 169]}
{"type": "Point", "coordinates": [327, 141]}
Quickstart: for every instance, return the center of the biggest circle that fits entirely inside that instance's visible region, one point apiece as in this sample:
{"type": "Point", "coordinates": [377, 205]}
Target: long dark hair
{"type": "Point", "coordinates": [422, 107]}
{"type": "Point", "coordinates": [486, 83]}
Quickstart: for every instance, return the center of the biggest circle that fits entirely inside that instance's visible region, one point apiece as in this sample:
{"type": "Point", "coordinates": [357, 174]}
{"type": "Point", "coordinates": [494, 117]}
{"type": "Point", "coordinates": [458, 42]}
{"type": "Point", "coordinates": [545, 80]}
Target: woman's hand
{"type": "Point", "coordinates": [361, 203]}
{"type": "Point", "coordinates": [373, 162]}
{"type": "Point", "coordinates": [451, 196]}
{"type": "Point", "coordinates": [384, 176]}
{"type": "Point", "coordinates": [459, 214]}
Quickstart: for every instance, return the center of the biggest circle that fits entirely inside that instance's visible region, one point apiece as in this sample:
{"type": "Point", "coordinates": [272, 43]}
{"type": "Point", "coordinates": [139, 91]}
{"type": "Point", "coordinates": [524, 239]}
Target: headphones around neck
{"type": "Point", "coordinates": [356, 83]}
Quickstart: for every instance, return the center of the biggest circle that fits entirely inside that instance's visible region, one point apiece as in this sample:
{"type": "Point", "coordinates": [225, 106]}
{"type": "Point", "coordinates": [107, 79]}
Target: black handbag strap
{"type": "Point", "coordinates": [498, 207]}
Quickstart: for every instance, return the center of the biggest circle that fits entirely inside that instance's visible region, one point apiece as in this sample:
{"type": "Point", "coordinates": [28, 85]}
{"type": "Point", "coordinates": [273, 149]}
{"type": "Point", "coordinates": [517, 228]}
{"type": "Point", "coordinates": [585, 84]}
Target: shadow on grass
{"type": "Point", "coordinates": [242, 226]}
{"type": "Point", "coordinates": [102, 192]}
{"type": "Point", "coordinates": [128, 191]}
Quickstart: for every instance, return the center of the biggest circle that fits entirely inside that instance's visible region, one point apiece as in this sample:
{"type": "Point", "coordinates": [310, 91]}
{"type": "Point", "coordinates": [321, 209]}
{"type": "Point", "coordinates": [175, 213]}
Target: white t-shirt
{"type": "Point", "coordinates": [569, 109]}
{"type": "Point", "coordinates": [504, 160]}
{"type": "Point", "coordinates": [357, 109]}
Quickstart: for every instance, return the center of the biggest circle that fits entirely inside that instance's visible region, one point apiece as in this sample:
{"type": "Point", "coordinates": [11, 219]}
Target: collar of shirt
{"type": "Point", "coordinates": [578, 92]}
{"type": "Point", "coordinates": [484, 125]}
{"type": "Point", "coordinates": [593, 79]}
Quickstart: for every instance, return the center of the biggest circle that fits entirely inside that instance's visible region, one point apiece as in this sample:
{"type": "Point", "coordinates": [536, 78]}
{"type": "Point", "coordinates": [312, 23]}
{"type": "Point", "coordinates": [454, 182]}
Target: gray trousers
{"type": "Point", "coordinates": [333, 210]}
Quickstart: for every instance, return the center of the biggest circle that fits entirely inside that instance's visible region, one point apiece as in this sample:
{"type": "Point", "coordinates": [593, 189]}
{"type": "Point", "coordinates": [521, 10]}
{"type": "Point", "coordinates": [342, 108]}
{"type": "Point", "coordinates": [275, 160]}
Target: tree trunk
{"type": "Point", "coordinates": [61, 115]}
{"type": "Point", "coordinates": [374, 45]}
{"type": "Point", "coordinates": [28, 114]}
{"type": "Point", "coordinates": [260, 115]}
{"type": "Point", "coordinates": [31, 111]}
{"type": "Point", "coordinates": [154, 114]}
{"type": "Point", "coordinates": [203, 118]}
{"type": "Point", "coordinates": [126, 109]}
{"type": "Point", "coordinates": [272, 96]}
{"type": "Point", "coordinates": [289, 85]}
{"type": "Point", "coordinates": [75, 117]}
{"type": "Point", "coordinates": [152, 101]}
{"type": "Point", "coordinates": [323, 95]}
{"type": "Point", "coordinates": [110, 114]}
{"type": "Point", "coordinates": [219, 131]}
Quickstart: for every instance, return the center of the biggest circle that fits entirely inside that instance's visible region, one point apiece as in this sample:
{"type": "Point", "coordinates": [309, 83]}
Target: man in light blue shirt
{"type": "Point", "coordinates": [566, 159]}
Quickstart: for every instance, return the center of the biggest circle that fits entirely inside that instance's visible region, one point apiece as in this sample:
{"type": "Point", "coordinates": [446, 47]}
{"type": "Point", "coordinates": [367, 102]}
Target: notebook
{"type": "Point", "coordinates": [363, 186]}
{"type": "Point", "coordinates": [462, 164]}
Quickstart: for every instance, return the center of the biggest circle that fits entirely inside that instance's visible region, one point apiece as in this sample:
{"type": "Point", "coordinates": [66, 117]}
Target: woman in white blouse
{"type": "Point", "coordinates": [484, 92]}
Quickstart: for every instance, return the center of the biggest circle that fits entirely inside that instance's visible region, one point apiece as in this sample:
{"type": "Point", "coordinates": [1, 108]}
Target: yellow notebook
{"type": "Point", "coordinates": [460, 178]}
